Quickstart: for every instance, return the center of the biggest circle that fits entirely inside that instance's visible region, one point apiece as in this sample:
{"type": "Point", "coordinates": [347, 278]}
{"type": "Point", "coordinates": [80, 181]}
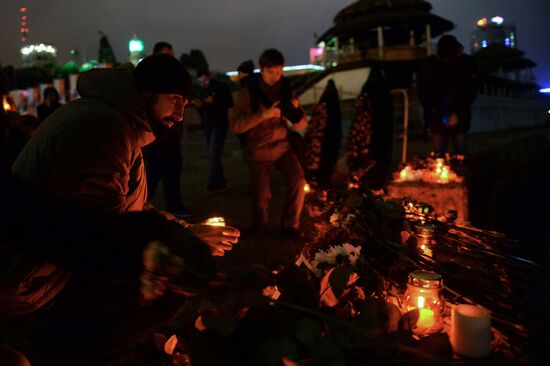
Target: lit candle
{"type": "Point", "coordinates": [424, 293]}
{"type": "Point", "coordinates": [426, 318]}
{"type": "Point", "coordinates": [426, 251]}
{"type": "Point", "coordinates": [215, 221]}
{"type": "Point", "coordinates": [307, 188]}
{"type": "Point", "coordinates": [471, 330]}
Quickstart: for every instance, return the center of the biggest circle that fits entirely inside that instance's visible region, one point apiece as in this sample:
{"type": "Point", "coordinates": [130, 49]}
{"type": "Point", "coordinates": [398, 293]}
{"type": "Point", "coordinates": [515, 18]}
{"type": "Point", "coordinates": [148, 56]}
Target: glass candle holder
{"type": "Point", "coordinates": [424, 293]}
{"type": "Point", "coordinates": [215, 221]}
{"type": "Point", "coordinates": [425, 238]}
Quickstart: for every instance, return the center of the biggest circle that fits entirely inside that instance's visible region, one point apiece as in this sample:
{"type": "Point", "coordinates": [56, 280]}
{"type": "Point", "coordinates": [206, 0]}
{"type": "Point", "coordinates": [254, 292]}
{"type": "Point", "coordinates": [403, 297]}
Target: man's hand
{"type": "Point", "coordinates": [272, 112]}
{"type": "Point", "coordinates": [209, 99]}
{"type": "Point", "coordinates": [218, 238]}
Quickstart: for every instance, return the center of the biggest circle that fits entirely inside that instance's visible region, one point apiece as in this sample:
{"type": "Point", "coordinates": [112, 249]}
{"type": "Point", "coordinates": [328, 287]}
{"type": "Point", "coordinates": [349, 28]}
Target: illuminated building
{"type": "Point", "coordinates": [493, 31]}
{"type": "Point", "coordinates": [38, 55]}
{"type": "Point", "coordinates": [136, 47]}
{"type": "Point", "coordinates": [24, 24]}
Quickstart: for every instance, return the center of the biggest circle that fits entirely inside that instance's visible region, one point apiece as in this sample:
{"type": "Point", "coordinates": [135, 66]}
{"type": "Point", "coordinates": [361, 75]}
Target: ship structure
{"type": "Point", "coordinates": [398, 35]}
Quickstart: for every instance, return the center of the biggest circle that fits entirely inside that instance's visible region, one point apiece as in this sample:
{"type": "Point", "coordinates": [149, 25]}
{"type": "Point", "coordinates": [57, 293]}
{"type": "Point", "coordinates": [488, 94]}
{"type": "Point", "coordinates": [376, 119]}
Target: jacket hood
{"type": "Point", "coordinates": [116, 87]}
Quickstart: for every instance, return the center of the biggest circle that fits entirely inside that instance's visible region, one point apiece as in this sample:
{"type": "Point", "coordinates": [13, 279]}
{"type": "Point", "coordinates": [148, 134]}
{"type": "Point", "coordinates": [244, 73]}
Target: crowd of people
{"type": "Point", "coordinates": [80, 229]}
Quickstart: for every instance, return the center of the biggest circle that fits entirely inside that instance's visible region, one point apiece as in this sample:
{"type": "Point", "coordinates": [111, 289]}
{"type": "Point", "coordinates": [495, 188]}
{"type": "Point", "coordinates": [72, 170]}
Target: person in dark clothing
{"type": "Point", "coordinates": [164, 162]}
{"type": "Point", "coordinates": [261, 111]}
{"type": "Point", "coordinates": [50, 105]}
{"type": "Point", "coordinates": [78, 279]}
{"type": "Point", "coordinates": [447, 90]}
{"type": "Point", "coordinates": [213, 105]}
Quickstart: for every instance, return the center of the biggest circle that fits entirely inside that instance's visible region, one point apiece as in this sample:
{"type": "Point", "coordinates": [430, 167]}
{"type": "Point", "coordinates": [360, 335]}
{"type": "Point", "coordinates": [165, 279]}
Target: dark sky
{"type": "Point", "coordinates": [230, 31]}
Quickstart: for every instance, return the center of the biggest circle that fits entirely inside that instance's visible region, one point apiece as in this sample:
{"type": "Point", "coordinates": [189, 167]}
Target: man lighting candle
{"type": "Point", "coordinates": [90, 151]}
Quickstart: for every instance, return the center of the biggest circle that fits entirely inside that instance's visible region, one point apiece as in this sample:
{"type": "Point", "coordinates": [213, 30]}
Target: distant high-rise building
{"type": "Point", "coordinates": [38, 55]}
{"type": "Point", "coordinates": [493, 31]}
{"type": "Point", "coordinates": [136, 47]}
{"type": "Point", "coordinates": [106, 55]}
{"type": "Point", "coordinates": [24, 23]}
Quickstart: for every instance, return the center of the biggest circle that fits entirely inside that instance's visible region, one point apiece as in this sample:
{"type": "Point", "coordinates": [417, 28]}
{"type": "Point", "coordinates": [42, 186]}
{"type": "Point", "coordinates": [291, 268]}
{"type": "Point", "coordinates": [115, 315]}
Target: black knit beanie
{"type": "Point", "coordinates": [163, 74]}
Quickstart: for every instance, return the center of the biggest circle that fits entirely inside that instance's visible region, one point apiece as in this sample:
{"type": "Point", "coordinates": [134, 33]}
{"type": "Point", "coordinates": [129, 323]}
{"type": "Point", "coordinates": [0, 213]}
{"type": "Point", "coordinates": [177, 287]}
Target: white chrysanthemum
{"type": "Point", "coordinates": [352, 252]}
{"type": "Point", "coordinates": [346, 250]}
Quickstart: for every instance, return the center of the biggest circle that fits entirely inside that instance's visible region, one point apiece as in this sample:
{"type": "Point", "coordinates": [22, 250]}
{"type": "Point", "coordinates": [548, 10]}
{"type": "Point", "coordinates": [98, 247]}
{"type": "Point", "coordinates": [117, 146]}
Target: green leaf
{"type": "Point", "coordinates": [409, 319]}
{"type": "Point", "coordinates": [437, 345]}
{"type": "Point", "coordinates": [327, 353]}
{"type": "Point", "coordinates": [354, 200]}
{"type": "Point", "coordinates": [221, 325]}
{"type": "Point", "coordinates": [272, 352]}
{"type": "Point", "coordinates": [308, 331]}
{"type": "Point", "coordinates": [390, 315]}
{"type": "Point", "coordinates": [339, 278]}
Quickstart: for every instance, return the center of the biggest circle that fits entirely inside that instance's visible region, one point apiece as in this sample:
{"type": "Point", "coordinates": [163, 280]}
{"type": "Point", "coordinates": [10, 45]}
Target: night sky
{"type": "Point", "coordinates": [231, 31]}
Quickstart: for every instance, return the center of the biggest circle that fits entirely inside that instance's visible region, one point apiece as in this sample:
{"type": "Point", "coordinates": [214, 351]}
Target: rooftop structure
{"type": "Point", "coordinates": [384, 30]}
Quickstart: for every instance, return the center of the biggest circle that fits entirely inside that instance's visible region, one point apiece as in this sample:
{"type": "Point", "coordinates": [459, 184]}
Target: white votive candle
{"type": "Point", "coordinates": [471, 330]}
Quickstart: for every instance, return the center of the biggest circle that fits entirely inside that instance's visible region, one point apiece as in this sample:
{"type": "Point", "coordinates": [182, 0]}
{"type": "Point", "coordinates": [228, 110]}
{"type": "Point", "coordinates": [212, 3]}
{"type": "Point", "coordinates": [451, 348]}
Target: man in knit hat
{"type": "Point", "coordinates": [90, 152]}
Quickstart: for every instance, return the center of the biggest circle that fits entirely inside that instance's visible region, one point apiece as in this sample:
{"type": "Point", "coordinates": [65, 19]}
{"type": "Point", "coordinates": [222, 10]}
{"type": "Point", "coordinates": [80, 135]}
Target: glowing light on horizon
{"type": "Point", "coordinates": [482, 22]}
{"type": "Point", "coordinates": [136, 45]}
{"type": "Point", "coordinates": [287, 68]}
{"type": "Point", "coordinates": [497, 20]}
{"type": "Point", "coordinates": [38, 48]}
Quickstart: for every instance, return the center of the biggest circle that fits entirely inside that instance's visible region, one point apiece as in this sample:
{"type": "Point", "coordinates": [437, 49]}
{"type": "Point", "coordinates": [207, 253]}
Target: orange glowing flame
{"type": "Point", "coordinates": [6, 104]}
{"type": "Point", "coordinates": [425, 250]}
{"type": "Point", "coordinates": [307, 188]}
{"type": "Point", "coordinates": [437, 171]}
{"type": "Point", "coordinates": [215, 221]}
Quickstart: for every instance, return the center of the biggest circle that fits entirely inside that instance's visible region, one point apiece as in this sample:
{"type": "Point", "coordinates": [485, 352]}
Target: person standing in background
{"type": "Point", "coordinates": [263, 110]}
{"type": "Point", "coordinates": [213, 105]}
{"type": "Point", "coordinates": [447, 89]}
{"type": "Point", "coordinates": [51, 103]}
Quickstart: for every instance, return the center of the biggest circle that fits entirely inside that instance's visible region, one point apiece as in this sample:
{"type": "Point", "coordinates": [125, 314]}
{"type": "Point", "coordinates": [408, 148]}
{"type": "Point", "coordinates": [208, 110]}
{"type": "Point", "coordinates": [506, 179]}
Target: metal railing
{"type": "Point", "coordinates": [405, 95]}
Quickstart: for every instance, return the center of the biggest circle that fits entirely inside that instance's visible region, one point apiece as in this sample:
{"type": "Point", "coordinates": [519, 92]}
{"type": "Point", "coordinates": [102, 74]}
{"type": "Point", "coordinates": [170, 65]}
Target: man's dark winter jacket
{"type": "Point", "coordinates": [89, 152]}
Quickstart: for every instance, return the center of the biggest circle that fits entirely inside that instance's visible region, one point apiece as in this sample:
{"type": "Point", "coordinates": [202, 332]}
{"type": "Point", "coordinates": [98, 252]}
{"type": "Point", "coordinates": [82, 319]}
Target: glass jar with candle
{"type": "Point", "coordinates": [424, 293]}
{"type": "Point", "coordinates": [425, 238]}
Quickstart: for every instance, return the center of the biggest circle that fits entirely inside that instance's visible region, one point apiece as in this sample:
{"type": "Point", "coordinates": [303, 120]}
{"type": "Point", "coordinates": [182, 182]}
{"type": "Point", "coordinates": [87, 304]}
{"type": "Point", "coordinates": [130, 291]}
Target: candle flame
{"type": "Point", "coordinates": [215, 221]}
{"type": "Point", "coordinates": [435, 171]}
{"type": "Point", "coordinates": [6, 104]}
{"type": "Point", "coordinates": [307, 188]}
{"type": "Point", "coordinates": [421, 302]}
